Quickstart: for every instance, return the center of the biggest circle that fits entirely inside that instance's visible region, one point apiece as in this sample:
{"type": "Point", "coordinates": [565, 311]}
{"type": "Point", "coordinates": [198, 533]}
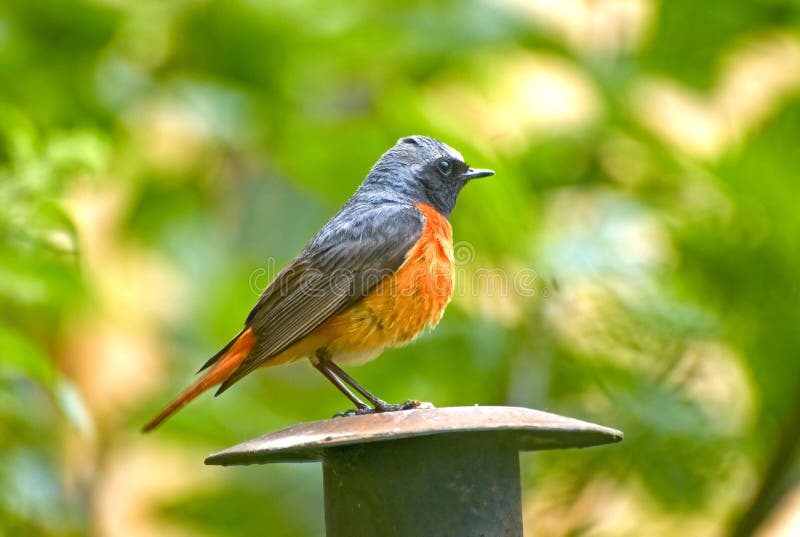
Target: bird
{"type": "Point", "coordinates": [376, 275]}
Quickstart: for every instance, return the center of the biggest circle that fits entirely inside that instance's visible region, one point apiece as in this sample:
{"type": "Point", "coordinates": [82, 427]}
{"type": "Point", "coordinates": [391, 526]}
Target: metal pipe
{"type": "Point", "coordinates": [460, 484]}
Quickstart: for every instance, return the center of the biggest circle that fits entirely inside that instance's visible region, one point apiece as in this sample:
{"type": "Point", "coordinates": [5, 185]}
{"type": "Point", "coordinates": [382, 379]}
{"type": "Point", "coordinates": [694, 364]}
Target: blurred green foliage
{"type": "Point", "coordinates": [153, 155]}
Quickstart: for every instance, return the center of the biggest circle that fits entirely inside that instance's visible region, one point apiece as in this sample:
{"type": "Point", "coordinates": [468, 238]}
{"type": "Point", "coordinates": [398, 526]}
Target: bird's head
{"type": "Point", "coordinates": [424, 169]}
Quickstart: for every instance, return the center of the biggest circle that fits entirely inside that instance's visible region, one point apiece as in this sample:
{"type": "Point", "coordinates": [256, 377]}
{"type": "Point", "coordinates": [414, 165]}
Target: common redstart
{"type": "Point", "coordinates": [375, 276]}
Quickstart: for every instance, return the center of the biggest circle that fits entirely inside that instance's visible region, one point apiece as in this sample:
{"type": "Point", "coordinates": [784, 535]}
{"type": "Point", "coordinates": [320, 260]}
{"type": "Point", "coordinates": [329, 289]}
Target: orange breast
{"type": "Point", "coordinates": [403, 304]}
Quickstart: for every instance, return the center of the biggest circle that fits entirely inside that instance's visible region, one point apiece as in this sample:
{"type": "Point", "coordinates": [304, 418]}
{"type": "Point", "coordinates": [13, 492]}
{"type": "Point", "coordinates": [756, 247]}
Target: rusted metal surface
{"type": "Point", "coordinates": [527, 429]}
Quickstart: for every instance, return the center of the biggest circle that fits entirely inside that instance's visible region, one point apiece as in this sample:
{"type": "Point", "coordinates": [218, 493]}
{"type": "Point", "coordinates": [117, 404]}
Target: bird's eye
{"type": "Point", "coordinates": [444, 167]}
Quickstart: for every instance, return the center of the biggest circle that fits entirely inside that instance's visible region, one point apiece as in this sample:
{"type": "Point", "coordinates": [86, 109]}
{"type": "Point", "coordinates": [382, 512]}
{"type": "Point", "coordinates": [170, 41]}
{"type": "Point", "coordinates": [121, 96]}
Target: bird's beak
{"type": "Point", "coordinates": [476, 174]}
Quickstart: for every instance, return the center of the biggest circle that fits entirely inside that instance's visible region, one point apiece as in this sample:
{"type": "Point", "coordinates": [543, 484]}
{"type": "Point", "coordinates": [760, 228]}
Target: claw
{"type": "Point", "coordinates": [355, 412]}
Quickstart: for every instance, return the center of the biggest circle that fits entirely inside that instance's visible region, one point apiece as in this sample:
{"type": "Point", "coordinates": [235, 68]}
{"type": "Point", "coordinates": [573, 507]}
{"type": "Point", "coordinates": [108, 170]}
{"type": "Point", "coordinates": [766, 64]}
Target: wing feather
{"type": "Point", "coordinates": [349, 257]}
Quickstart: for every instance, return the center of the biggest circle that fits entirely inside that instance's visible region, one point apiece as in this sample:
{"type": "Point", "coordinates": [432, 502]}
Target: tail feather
{"type": "Point", "coordinates": [224, 364]}
{"type": "Point", "coordinates": [214, 359]}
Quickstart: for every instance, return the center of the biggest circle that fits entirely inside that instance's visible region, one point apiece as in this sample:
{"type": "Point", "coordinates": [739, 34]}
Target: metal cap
{"type": "Point", "coordinates": [531, 430]}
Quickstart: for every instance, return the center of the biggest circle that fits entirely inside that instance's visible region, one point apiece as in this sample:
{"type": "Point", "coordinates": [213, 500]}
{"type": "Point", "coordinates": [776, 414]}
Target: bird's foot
{"type": "Point", "coordinates": [354, 412]}
{"type": "Point", "coordinates": [384, 407]}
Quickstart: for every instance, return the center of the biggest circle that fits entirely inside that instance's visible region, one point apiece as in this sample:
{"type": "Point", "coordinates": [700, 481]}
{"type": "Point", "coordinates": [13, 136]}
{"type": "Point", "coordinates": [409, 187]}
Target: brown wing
{"type": "Point", "coordinates": [350, 256]}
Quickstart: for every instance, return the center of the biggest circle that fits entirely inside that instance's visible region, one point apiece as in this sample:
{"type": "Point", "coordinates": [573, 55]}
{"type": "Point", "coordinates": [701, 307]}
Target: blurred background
{"type": "Point", "coordinates": [160, 160]}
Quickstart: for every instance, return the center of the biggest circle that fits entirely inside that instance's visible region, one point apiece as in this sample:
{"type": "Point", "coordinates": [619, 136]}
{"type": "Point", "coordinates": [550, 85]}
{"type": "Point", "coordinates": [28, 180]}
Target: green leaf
{"type": "Point", "coordinates": [19, 356]}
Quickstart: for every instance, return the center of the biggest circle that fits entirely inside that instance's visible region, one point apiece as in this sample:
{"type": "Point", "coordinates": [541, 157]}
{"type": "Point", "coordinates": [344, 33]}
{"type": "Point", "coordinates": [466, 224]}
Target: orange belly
{"type": "Point", "coordinates": [398, 309]}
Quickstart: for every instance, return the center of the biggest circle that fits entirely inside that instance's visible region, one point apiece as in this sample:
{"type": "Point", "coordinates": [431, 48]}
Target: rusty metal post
{"type": "Point", "coordinates": [433, 472]}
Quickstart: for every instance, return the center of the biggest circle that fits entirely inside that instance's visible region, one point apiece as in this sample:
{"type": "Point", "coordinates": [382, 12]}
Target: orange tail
{"type": "Point", "coordinates": [222, 369]}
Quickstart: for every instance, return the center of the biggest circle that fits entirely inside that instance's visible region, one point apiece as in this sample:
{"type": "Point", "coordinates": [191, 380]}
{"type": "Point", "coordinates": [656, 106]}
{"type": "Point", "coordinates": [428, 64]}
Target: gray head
{"type": "Point", "coordinates": [424, 170]}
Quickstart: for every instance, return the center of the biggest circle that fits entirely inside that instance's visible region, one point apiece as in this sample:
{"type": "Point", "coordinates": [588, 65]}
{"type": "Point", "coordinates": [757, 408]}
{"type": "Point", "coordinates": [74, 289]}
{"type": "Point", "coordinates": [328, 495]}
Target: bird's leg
{"type": "Point", "coordinates": [379, 404]}
{"type": "Point", "coordinates": [339, 378]}
{"type": "Point", "coordinates": [323, 363]}
{"type": "Point", "coordinates": [376, 401]}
